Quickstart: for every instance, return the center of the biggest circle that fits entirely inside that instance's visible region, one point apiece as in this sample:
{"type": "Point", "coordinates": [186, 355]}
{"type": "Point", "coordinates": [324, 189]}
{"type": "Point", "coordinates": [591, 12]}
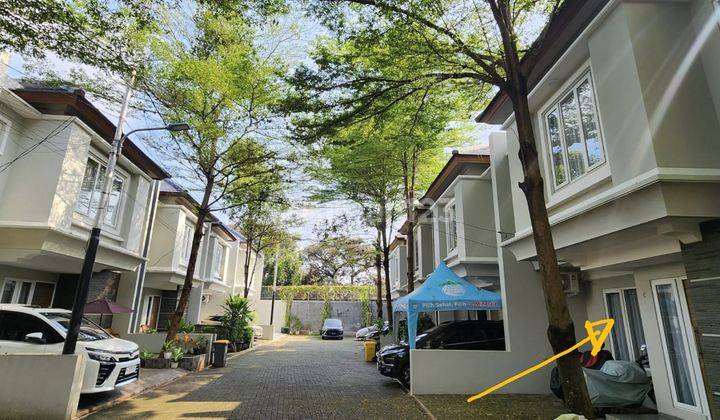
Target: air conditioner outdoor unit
{"type": "Point", "coordinates": [571, 282]}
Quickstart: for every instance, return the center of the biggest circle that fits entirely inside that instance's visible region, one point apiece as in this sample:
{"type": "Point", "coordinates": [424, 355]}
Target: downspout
{"type": "Point", "coordinates": [140, 282]}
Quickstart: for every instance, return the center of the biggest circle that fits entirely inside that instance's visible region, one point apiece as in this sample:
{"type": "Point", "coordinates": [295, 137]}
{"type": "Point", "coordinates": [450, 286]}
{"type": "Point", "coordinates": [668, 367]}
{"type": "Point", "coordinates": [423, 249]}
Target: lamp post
{"type": "Point", "coordinates": [94, 240]}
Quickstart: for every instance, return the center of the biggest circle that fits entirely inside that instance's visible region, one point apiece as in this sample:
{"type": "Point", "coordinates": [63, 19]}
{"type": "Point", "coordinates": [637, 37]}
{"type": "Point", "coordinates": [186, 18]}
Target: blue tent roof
{"type": "Point", "coordinates": [444, 290]}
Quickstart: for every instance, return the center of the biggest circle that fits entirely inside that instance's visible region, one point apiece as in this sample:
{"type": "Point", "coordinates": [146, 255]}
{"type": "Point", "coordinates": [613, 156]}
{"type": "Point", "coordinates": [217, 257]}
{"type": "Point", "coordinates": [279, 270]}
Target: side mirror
{"type": "Point", "coordinates": [35, 338]}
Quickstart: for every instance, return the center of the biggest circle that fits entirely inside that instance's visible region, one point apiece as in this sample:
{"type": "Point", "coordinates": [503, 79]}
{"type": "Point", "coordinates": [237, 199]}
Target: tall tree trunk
{"type": "Point", "coordinates": [246, 266]}
{"type": "Point", "coordinates": [386, 260]}
{"type": "Point", "coordinates": [192, 261]}
{"type": "Point", "coordinates": [378, 274]}
{"type": "Point", "coordinates": [561, 330]}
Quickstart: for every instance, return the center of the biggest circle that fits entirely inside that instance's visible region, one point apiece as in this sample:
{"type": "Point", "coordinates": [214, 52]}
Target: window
{"type": "Point", "coordinates": [27, 292]}
{"type": "Point", "coordinates": [91, 189]}
{"type": "Point", "coordinates": [14, 326]}
{"type": "Point", "coordinates": [218, 260]}
{"type": "Point", "coordinates": [416, 251]}
{"type": "Point", "coordinates": [451, 221]}
{"type": "Point", "coordinates": [187, 243]}
{"type": "Point", "coordinates": [573, 134]}
{"type": "Point", "coordinates": [627, 334]}
{"type": "Point", "coordinates": [678, 346]}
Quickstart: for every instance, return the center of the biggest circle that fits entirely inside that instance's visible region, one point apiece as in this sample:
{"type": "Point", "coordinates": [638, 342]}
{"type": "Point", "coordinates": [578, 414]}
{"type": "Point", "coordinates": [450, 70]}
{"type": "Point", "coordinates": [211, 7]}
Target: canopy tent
{"type": "Point", "coordinates": [444, 290]}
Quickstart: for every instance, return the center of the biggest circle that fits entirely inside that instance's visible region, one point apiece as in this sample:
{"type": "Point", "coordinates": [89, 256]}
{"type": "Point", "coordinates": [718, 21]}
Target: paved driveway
{"type": "Point", "coordinates": [299, 377]}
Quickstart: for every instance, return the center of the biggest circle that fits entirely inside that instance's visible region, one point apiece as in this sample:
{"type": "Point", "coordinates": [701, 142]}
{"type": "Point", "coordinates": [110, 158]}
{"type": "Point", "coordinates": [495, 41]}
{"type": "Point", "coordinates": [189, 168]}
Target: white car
{"type": "Point", "coordinates": [111, 362]}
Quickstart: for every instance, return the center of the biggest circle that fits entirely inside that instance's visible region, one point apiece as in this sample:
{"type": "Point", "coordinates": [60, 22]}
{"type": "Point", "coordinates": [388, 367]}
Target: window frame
{"type": "Point", "coordinates": [5, 127]}
{"type": "Point", "coordinates": [218, 265]}
{"type": "Point", "coordinates": [690, 346]}
{"type": "Point", "coordinates": [188, 233]}
{"type": "Point", "coordinates": [553, 105]}
{"type": "Point", "coordinates": [449, 232]}
{"type": "Point", "coordinates": [626, 322]}
{"type": "Point", "coordinates": [120, 207]}
{"type": "Point", "coordinates": [16, 293]}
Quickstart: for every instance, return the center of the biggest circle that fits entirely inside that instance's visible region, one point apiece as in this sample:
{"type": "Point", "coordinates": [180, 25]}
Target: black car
{"type": "Point", "coordinates": [332, 328]}
{"type": "Point", "coordinates": [394, 360]}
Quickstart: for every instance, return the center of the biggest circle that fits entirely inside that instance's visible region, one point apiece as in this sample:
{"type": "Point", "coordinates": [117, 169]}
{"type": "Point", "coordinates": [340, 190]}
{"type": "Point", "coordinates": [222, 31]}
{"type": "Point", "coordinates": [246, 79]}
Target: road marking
{"type": "Point", "coordinates": [595, 338]}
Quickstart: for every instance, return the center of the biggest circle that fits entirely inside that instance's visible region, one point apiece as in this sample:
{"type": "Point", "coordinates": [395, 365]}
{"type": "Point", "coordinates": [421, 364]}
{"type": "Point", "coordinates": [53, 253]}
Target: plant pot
{"type": "Point", "coordinates": [167, 355]}
{"type": "Point", "coordinates": [157, 363]}
{"type": "Point", "coordinates": [174, 365]}
{"type": "Point", "coordinates": [193, 363]}
{"type": "Point", "coordinates": [285, 330]}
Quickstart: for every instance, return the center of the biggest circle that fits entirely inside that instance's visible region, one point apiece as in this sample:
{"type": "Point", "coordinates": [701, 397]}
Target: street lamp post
{"type": "Point", "coordinates": [94, 240]}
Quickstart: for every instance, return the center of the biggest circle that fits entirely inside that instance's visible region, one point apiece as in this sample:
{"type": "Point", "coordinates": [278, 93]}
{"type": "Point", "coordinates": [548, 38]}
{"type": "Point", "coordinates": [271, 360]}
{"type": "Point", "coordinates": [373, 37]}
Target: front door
{"type": "Point", "coordinates": [678, 343]}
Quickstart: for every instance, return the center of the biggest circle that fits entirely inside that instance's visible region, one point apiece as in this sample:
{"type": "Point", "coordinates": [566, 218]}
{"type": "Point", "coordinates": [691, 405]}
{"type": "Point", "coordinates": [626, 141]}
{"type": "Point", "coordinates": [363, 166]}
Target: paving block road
{"type": "Point", "coordinates": [294, 378]}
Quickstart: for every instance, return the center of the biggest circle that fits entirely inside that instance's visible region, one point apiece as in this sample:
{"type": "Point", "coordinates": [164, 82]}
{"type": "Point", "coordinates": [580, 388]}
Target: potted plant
{"type": "Point", "coordinates": [235, 320]}
{"type": "Point", "coordinates": [145, 356]}
{"type": "Point", "coordinates": [167, 349]}
{"type": "Point", "coordinates": [176, 356]}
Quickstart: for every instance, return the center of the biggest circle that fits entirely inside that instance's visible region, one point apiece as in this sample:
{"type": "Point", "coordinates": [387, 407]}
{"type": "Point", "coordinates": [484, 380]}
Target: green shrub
{"type": "Point", "coordinates": [148, 355]}
{"type": "Point", "coordinates": [186, 327]}
{"type": "Point", "coordinates": [177, 354]}
{"type": "Point", "coordinates": [236, 319]}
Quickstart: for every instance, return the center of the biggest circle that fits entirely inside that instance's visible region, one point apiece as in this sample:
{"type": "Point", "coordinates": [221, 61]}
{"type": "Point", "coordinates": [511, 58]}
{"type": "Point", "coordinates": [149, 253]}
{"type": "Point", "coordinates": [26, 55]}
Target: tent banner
{"type": "Point", "coordinates": [457, 305]}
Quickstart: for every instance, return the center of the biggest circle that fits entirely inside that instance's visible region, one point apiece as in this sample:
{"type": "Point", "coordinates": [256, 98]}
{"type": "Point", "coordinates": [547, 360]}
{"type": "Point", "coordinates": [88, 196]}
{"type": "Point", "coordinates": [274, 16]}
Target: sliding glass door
{"type": "Point", "coordinates": [678, 344]}
{"type": "Point", "coordinates": [627, 336]}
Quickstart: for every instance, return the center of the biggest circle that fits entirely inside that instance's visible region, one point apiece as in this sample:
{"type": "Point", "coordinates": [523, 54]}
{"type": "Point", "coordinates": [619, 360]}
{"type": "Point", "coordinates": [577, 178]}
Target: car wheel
{"type": "Point", "coordinates": [405, 375]}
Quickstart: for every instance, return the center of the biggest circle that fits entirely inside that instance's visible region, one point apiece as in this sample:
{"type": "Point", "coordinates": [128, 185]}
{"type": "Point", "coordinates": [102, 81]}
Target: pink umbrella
{"type": "Point", "coordinates": [105, 306]}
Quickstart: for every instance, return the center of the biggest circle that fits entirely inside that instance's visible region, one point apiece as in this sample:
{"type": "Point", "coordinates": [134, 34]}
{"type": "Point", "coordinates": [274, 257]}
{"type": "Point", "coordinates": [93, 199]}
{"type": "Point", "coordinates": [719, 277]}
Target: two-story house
{"type": "Point", "coordinates": [626, 110]}
{"type": "Point", "coordinates": [53, 148]}
{"type": "Point", "coordinates": [219, 267]}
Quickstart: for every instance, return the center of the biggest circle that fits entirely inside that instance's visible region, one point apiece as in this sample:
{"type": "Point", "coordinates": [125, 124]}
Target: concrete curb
{"type": "Point", "coordinates": [122, 398]}
{"type": "Point", "coordinates": [417, 400]}
{"type": "Point", "coordinates": [178, 374]}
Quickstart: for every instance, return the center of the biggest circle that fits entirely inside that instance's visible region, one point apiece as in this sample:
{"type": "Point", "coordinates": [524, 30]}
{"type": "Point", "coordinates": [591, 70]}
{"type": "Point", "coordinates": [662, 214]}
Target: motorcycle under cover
{"type": "Point", "coordinates": [617, 383]}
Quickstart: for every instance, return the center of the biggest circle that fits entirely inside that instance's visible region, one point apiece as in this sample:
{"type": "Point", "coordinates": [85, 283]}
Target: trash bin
{"type": "Point", "coordinates": [220, 352]}
{"type": "Point", "coordinates": [370, 347]}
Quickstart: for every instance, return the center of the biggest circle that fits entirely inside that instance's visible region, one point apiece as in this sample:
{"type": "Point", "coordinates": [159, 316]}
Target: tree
{"type": "Point", "coordinates": [337, 256]}
{"type": "Point", "coordinates": [289, 264]}
{"type": "Point", "coordinates": [95, 33]}
{"type": "Point", "coordinates": [210, 72]}
{"type": "Point", "coordinates": [387, 52]}
{"type": "Point", "coordinates": [264, 229]}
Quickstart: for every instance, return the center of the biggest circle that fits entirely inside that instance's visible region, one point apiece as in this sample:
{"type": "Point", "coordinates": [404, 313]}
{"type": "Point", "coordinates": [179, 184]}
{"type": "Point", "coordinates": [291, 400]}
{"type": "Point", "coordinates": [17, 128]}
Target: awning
{"type": "Point", "coordinates": [444, 290]}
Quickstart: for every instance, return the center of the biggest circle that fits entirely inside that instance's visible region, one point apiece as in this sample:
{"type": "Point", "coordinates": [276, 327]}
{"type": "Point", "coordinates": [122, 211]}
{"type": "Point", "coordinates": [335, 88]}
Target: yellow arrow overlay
{"type": "Point", "coordinates": [595, 338]}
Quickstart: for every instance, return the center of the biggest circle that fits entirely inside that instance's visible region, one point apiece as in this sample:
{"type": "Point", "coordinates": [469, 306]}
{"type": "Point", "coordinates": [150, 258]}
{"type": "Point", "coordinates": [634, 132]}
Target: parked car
{"type": "Point", "coordinates": [394, 360]}
{"type": "Point", "coordinates": [110, 362]}
{"type": "Point", "coordinates": [332, 328]}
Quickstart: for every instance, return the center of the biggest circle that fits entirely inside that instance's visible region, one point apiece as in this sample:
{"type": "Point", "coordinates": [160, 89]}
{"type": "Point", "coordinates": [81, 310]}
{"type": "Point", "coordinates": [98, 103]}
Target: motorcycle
{"type": "Point", "coordinates": [612, 383]}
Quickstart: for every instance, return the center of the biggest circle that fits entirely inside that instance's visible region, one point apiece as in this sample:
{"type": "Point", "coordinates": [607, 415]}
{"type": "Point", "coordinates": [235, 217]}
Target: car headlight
{"type": "Point", "coordinates": [101, 357]}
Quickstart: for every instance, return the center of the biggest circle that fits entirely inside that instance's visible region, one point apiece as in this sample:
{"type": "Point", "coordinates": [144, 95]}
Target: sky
{"type": "Point", "coordinates": [294, 51]}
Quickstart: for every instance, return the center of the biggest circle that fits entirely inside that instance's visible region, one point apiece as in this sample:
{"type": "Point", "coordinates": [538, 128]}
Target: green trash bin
{"type": "Point", "coordinates": [220, 348]}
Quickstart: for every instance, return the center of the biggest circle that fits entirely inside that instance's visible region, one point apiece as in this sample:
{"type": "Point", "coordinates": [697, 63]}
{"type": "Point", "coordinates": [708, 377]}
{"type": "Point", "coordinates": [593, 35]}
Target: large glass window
{"type": "Point", "coordinates": [677, 345]}
{"type": "Point", "coordinates": [573, 136]}
{"type": "Point", "coordinates": [451, 217]}
{"type": "Point", "coordinates": [91, 189]}
{"type": "Point", "coordinates": [218, 260]}
{"type": "Point", "coordinates": [627, 334]}
{"type": "Point", "coordinates": [187, 243]}
{"type": "Point", "coordinates": [27, 292]}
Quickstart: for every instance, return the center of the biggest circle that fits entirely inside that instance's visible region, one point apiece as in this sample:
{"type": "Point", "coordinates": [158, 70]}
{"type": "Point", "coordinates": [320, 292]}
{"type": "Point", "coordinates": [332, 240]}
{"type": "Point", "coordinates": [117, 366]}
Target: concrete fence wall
{"type": "Point", "coordinates": [310, 313]}
{"type": "Point", "coordinates": [40, 386]}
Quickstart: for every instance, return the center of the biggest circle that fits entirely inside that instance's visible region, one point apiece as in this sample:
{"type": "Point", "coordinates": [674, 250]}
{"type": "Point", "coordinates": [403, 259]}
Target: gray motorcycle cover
{"type": "Point", "coordinates": [617, 383]}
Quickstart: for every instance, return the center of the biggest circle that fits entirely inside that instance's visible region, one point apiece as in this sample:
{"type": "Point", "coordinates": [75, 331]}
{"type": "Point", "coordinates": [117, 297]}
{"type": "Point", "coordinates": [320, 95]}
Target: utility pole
{"type": "Point", "coordinates": [274, 289]}
{"type": "Point", "coordinates": [92, 246]}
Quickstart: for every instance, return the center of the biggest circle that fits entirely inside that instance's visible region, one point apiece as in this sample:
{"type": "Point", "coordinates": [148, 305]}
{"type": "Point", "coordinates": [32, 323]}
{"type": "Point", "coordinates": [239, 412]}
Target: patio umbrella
{"type": "Point", "coordinates": [105, 306]}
